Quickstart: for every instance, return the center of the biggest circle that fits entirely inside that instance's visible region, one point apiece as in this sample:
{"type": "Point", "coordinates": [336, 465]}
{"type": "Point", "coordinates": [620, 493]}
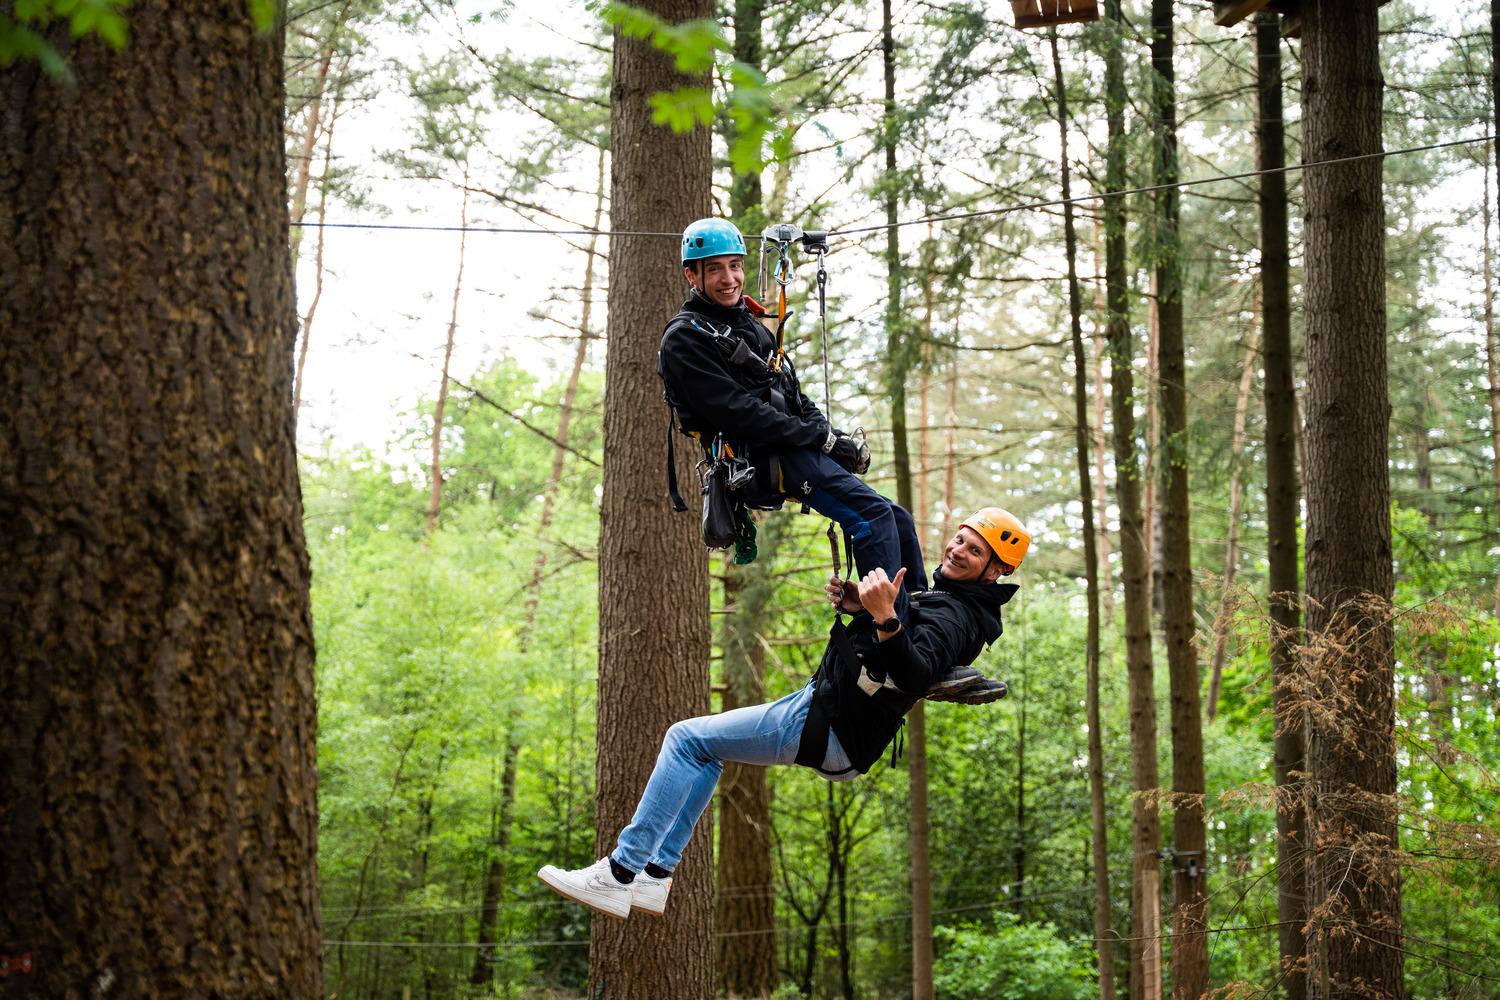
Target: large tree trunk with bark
{"type": "Point", "coordinates": [1356, 912]}
{"type": "Point", "coordinates": [158, 803]}
{"type": "Point", "coordinates": [1189, 898]}
{"type": "Point", "coordinates": [653, 569]}
{"type": "Point", "coordinates": [1283, 503]}
{"type": "Point", "coordinates": [746, 907]}
{"type": "Point", "coordinates": [1135, 569]}
{"type": "Point", "coordinates": [747, 903]}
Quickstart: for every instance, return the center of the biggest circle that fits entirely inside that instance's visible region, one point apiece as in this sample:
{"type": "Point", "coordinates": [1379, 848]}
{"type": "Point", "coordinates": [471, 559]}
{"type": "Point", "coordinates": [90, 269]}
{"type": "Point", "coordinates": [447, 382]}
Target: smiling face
{"type": "Point", "coordinates": [968, 557]}
{"type": "Point", "coordinates": [720, 279]}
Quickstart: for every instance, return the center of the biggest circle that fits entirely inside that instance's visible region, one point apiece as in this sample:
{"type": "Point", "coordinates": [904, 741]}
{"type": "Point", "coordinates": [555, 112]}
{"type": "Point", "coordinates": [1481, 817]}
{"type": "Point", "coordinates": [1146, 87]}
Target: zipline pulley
{"type": "Point", "coordinates": [815, 242]}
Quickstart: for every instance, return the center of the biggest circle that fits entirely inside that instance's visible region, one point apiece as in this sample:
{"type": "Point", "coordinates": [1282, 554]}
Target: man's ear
{"type": "Point", "coordinates": [995, 570]}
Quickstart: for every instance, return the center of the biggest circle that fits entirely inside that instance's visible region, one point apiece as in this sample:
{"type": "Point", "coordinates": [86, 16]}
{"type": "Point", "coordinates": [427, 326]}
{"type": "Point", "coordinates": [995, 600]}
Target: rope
{"type": "Point", "coordinates": [1005, 210]}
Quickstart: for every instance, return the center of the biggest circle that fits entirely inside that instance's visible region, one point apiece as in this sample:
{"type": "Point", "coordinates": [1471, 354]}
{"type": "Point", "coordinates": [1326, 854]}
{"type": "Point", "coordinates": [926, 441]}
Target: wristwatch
{"type": "Point", "coordinates": [891, 624]}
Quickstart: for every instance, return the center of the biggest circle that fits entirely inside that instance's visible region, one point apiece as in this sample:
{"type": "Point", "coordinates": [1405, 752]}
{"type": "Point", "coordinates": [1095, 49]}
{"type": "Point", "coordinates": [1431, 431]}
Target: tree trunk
{"type": "Point", "coordinates": [746, 903]}
{"type": "Point", "coordinates": [1228, 603]}
{"type": "Point", "coordinates": [1135, 579]}
{"type": "Point", "coordinates": [1189, 838]}
{"type": "Point", "coordinates": [1357, 915]}
{"type": "Point", "coordinates": [435, 496]}
{"type": "Point", "coordinates": [922, 956]}
{"type": "Point", "coordinates": [1081, 446]}
{"type": "Point", "coordinates": [746, 908]}
{"type": "Point", "coordinates": [1101, 394]}
{"type": "Point", "coordinates": [1492, 356]}
{"type": "Point", "coordinates": [653, 653]}
{"type": "Point", "coordinates": [898, 351]}
{"type": "Point", "coordinates": [158, 803]}
{"type": "Point", "coordinates": [1153, 439]}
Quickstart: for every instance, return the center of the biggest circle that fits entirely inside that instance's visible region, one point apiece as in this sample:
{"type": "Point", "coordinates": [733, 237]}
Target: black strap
{"type": "Point", "coordinates": [677, 503]}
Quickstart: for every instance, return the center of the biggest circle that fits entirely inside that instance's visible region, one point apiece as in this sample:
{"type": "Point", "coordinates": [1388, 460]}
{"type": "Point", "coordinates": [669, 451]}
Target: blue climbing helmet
{"type": "Point", "coordinates": [711, 238]}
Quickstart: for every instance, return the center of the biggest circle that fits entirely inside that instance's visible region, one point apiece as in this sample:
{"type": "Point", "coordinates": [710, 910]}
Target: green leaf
{"type": "Point", "coordinates": [263, 13]}
{"type": "Point", "coordinates": [683, 108]}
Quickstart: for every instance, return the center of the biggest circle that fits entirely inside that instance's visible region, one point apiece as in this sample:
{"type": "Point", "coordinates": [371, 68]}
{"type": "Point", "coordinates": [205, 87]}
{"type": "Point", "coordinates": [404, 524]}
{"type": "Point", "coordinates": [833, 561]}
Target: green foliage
{"type": "Point", "coordinates": [1011, 961]}
{"type": "Point", "coordinates": [23, 27]}
{"type": "Point", "coordinates": [696, 47]}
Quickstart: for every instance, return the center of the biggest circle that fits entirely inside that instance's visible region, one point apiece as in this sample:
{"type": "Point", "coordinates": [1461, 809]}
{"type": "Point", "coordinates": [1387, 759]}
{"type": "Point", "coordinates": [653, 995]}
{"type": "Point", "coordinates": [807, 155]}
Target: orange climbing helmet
{"type": "Point", "coordinates": [1006, 535]}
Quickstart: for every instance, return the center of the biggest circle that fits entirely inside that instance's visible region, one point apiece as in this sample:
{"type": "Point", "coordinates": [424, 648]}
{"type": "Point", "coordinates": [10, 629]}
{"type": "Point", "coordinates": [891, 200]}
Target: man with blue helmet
{"type": "Point", "coordinates": [726, 381]}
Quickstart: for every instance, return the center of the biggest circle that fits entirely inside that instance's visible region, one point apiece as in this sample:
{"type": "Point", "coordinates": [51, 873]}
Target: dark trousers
{"type": "Point", "coordinates": [883, 532]}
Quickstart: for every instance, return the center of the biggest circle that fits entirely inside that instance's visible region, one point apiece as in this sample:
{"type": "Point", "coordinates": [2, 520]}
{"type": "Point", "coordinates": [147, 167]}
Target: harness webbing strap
{"type": "Point", "coordinates": [677, 503]}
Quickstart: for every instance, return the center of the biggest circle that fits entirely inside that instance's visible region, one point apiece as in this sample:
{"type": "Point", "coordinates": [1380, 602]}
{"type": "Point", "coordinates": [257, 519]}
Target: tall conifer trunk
{"type": "Point", "coordinates": [1189, 898]}
{"type": "Point", "coordinates": [1085, 484]}
{"type": "Point", "coordinates": [746, 907]}
{"type": "Point", "coordinates": [1283, 502]}
{"type": "Point", "coordinates": [158, 798]}
{"type": "Point", "coordinates": [1135, 574]}
{"type": "Point", "coordinates": [1357, 910]}
{"type": "Point", "coordinates": [1489, 277]}
{"type": "Point", "coordinates": [653, 569]}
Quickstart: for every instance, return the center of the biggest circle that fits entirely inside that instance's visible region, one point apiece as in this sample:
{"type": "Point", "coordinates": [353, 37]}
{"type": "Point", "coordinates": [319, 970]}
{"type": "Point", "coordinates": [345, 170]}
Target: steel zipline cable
{"type": "Point", "coordinates": [1030, 206]}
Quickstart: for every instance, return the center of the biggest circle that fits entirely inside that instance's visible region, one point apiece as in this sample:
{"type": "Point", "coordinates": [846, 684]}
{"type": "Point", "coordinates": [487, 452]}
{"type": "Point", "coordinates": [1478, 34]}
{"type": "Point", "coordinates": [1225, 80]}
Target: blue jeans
{"type": "Point", "coordinates": [691, 760]}
{"type": "Point", "coordinates": [884, 534]}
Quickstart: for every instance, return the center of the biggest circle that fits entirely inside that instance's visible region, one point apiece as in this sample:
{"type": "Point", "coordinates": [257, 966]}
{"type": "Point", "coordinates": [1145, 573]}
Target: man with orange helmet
{"type": "Point", "coordinates": [839, 724]}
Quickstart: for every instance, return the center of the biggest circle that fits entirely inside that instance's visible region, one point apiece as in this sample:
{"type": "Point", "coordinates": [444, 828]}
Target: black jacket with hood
{"type": "Point", "coordinates": [714, 394]}
{"type": "Point", "coordinates": [948, 626]}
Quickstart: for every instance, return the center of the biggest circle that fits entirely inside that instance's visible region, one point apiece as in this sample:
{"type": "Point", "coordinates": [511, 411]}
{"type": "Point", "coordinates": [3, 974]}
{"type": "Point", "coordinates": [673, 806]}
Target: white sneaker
{"type": "Point", "coordinates": [650, 894]}
{"type": "Point", "coordinates": [594, 887]}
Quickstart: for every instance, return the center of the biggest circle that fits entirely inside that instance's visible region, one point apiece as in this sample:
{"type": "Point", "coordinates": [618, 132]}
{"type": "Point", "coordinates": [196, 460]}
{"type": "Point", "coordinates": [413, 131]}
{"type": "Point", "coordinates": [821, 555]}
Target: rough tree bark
{"type": "Point", "coordinates": [1135, 571]}
{"type": "Point", "coordinates": [653, 654]}
{"type": "Point", "coordinates": [1189, 838]}
{"type": "Point", "coordinates": [1283, 506]}
{"type": "Point", "coordinates": [1085, 485]}
{"type": "Point", "coordinates": [746, 907]}
{"type": "Point", "coordinates": [1357, 913]}
{"type": "Point", "coordinates": [158, 802]}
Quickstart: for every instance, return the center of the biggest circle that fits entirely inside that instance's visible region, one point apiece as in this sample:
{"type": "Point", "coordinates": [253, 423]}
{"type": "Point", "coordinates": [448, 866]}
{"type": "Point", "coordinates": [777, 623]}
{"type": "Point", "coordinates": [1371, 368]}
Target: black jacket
{"type": "Point", "coordinates": [949, 626]}
{"type": "Point", "coordinates": [741, 400]}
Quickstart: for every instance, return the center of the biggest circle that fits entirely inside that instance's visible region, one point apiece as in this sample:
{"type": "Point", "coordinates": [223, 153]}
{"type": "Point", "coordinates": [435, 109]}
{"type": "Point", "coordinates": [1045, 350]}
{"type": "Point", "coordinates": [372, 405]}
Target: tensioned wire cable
{"type": "Point", "coordinates": [1029, 206]}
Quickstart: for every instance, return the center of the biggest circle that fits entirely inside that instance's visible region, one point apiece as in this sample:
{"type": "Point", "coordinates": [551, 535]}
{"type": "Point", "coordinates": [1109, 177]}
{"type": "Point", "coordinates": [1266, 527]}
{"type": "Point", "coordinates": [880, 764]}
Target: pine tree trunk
{"type": "Point", "coordinates": [1357, 909]}
{"type": "Point", "coordinates": [922, 956]}
{"type": "Point", "coordinates": [1189, 838]}
{"type": "Point", "coordinates": [1081, 446]}
{"type": "Point", "coordinates": [897, 351]}
{"type": "Point", "coordinates": [1101, 442]}
{"type": "Point", "coordinates": [1135, 582]}
{"type": "Point", "coordinates": [653, 569]}
{"type": "Point", "coordinates": [158, 801]}
{"type": "Point", "coordinates": [1492, 354]}
{"type": "Point", "coordinates": [1228, 603]}
{"type": "Point", "coordinates": [746, 907]}
{"type": "Point", "coordinates": [746, 903]}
